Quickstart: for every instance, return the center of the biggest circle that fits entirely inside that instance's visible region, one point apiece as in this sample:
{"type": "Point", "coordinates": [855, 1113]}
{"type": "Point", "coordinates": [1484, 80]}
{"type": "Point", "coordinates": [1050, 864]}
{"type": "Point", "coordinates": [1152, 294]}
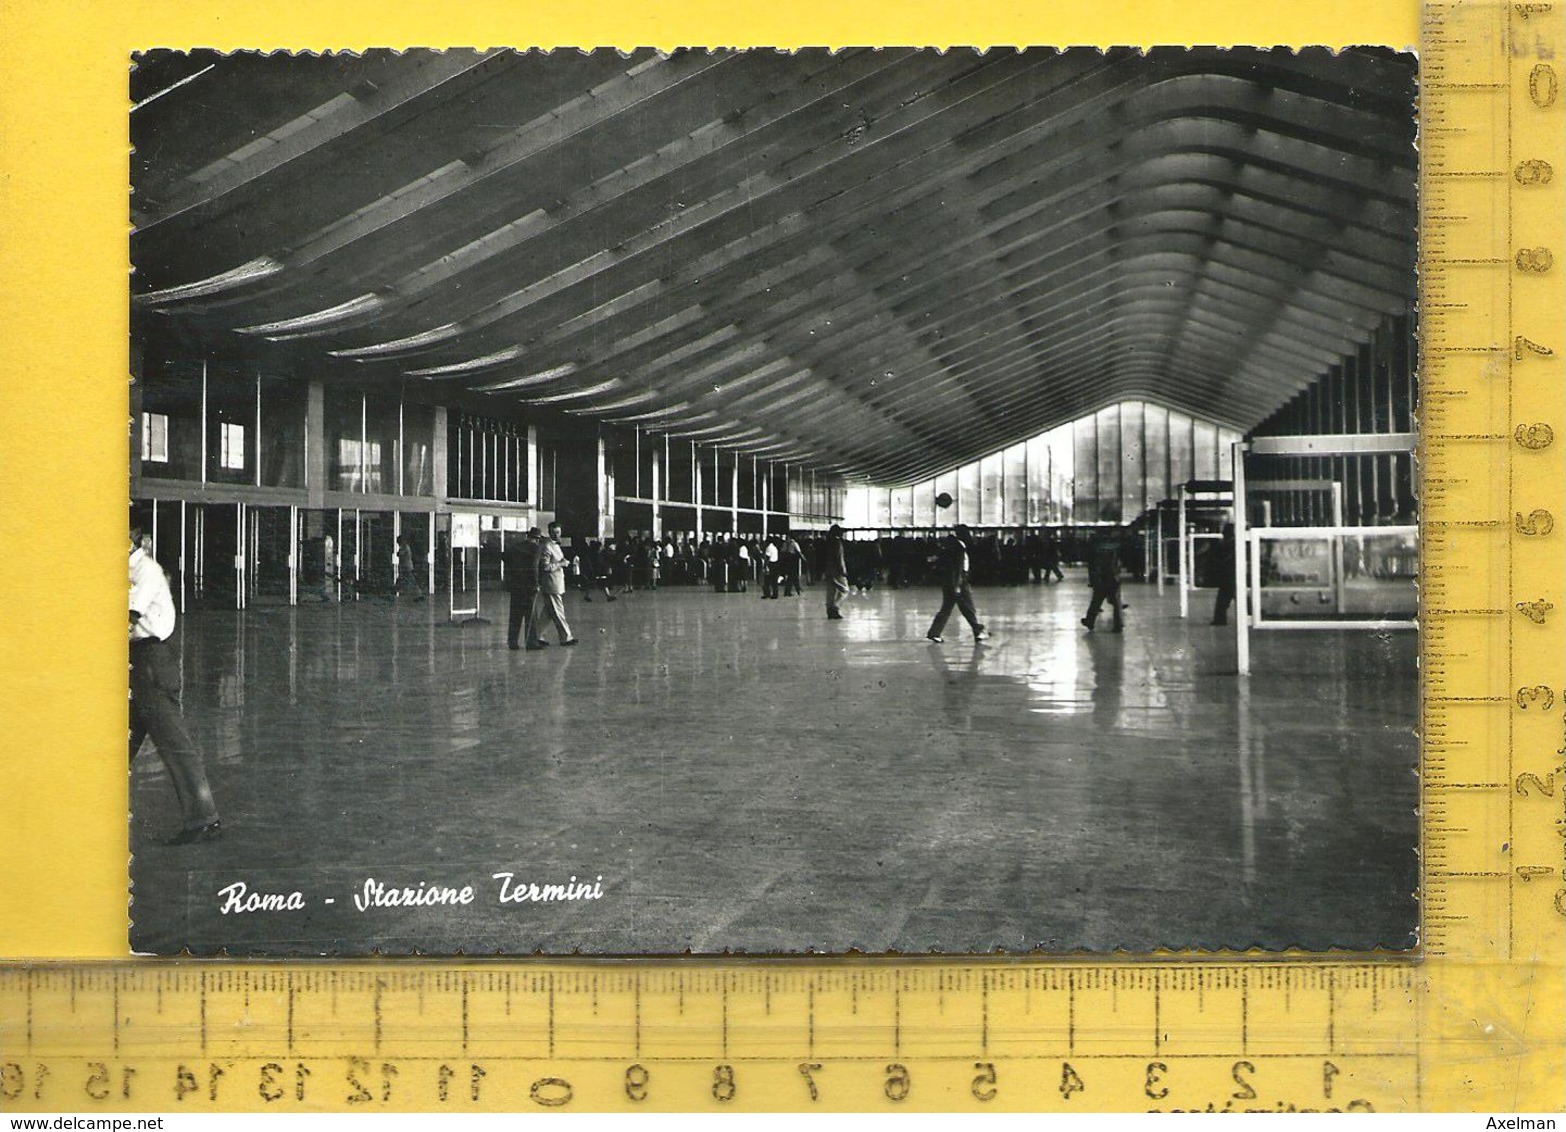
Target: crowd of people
{"type": "Point", "coordinates": [783, 565]}
{"type": "Point", "coordinates": [743, 560]}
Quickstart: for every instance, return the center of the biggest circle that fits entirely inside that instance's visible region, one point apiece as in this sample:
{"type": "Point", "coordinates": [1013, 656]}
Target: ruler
{"type": "Point", "coordinates": [1476, 1020]}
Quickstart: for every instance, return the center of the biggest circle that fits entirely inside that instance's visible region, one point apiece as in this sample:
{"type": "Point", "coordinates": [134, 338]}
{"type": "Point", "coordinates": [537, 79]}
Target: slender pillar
{"type": "Point", "coordinates": [439, 455]}
{"type": "Point", "coordinates": [1242, 589]}
{"type": "Point", "coordinates": [315, 445]}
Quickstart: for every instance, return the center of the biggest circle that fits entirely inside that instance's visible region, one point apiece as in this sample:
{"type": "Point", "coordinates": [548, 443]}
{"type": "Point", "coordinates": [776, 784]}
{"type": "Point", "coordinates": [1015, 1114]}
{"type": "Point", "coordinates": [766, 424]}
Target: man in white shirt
{"type": "Point", "coordinates": [774, 571]}
{"type": "Point", "coordinates": [154, 708]}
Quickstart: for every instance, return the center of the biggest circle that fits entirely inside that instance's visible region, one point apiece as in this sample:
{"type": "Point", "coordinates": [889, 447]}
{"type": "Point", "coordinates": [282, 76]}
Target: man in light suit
{"type": "Point", "coordinates": [551, 588]}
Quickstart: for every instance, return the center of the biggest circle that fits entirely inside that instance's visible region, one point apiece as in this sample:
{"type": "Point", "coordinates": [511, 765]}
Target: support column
{"type": "Point", "coordinates": [696, 484]}
{"type": "Point", "coordinates": [606, 492]}
{"type": "Point", "coordinates": [315, 445]}
{"type": "Point", "coordinates": [535, 477]}
{"type": "Point", "coordinates": [1242, 588]}
{"type": "Point", "coordinates": [657, 494]}
{"type": "Point", "coordinates": [439, 455]}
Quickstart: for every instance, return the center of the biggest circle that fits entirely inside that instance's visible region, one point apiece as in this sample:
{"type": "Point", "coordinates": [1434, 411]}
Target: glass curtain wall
{"type": "Point", "coordinates": [1106, 468]}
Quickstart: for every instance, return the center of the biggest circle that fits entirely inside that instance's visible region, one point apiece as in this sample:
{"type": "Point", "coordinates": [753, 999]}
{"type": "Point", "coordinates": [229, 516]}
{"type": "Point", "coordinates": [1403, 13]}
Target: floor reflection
{"type": "Point", "coordinates": [747, 775]}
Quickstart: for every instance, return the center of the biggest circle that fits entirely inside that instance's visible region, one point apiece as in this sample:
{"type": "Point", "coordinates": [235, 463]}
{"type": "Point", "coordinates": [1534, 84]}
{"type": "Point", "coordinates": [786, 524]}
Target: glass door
{"type": "Point", "coordinates": [218, 554]}
{"type": "Point", "coordinates": [269, 574]}
{"type": "Point", "coordinates": [348, 554]}
{"type": "Point", "coordinates": [377, 552]}
{"type": "Point", "coordinates": [315, 555]}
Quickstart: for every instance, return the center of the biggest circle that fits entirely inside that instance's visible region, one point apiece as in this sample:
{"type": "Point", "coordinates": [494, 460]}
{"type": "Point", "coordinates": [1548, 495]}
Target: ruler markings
{"type": "Point", "coordinates": [1510, 495]}
{"type": "Point", "coordinates": [810, 1038]}
{"type": "Point", "coordinates": [1071, 1013]}
{"type": "Point", "coordinates": [897, 1020]}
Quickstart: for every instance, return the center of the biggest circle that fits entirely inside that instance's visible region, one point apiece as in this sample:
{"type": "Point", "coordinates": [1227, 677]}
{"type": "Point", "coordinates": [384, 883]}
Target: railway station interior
{"type": "Point", "coordinates": [391, 312]}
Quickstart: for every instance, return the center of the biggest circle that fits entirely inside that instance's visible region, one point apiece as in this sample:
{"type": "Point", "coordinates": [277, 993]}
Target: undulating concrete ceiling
{"type": "Point", "coordinates": [882, 262]}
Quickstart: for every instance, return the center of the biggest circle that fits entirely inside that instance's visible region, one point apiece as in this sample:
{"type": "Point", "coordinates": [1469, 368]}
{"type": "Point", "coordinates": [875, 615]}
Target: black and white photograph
{"type": "Point", "coordinates": [773, 502]}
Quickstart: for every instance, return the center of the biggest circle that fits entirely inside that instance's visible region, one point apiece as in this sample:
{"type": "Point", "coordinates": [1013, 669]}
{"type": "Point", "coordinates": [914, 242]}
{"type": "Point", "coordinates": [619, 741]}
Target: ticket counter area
{"type": "Point", "coordinates": [1331, 576]}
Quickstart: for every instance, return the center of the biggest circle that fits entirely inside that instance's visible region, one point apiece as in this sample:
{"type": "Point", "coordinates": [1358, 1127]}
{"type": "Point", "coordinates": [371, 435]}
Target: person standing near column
{"type": "Point", "coordinates": [154, 708]}
{"type": "Point", "coordinates": [834, 567]}
{"type": "Point", "coordinates": [952, 564]}
{"type": "Point", "coordinates": [520, 560]}
{"type": "Point", "coordinates": [551, 589]}
{"type": "Point", "coordinates": [1223, 564]}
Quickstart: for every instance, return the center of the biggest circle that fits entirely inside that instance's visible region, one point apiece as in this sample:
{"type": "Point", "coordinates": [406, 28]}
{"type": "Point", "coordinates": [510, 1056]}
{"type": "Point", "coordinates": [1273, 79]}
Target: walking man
{"type": "Point", "coordinates": [550, 600]}
{"type": "Point", "coordinates": [154, 709]}
{"type": "Point", "coordinates": [1104, 576]}
{"type": "Point", "coordinates": [952, 565]}
{"type": "Point", "coordinates": [834, 567]}
{"type": "Point", "coordinates": [793, 568]}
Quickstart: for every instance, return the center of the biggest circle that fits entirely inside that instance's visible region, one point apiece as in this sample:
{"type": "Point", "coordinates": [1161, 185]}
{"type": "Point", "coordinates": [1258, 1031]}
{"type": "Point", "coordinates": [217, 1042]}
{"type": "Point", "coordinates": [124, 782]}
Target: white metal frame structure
{"type": "Point", "coordinates": [462, 616]}
{"type": "Point", "coordinates": [1248, 540]}
{"type": "Point", "coordinates": [1186, 569]}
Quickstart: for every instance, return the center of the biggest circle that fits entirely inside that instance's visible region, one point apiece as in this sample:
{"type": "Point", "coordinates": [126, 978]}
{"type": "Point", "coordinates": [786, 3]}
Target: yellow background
{"type": "Point", "coordinates": [64, 327]}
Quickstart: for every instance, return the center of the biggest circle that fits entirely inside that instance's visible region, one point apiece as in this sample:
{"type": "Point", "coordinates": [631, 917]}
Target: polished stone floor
{"type": "Point", "coordinates": [745, 775]}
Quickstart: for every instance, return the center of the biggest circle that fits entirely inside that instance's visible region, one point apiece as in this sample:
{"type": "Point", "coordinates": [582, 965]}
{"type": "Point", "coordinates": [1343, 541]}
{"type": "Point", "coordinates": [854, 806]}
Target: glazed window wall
{"type": "Point", "coordinates": [486, 458]}
{"type": "Point", "coordinates": [623, 458]}
{"type": "Point", "coordinates": [1121, 461]}
{"type": "Point", "coordinates": [282, 432]}
{"type": "Point", "coordinates": [718, 480]}
{"type": "Point", "coordinates": [1109, 447]}
{"type": "Point", "coordinates": [648, 446]}
{"type": "Point", "coordinates": [231, 415]}
{"type": "Point", "coordinates": [1014, 485]}
{"type": "Point", "coordinates": [381, 456]}
{"type": "Point", "coordinates": [779, 497]}
{"type": "Point", "coordinates": [1109, 467]}
{"type": "Point", "coordinates": [173, 391]}
{"type": "Point", "coordinates": [221, 422]}
{"type": "Point", "coordinates": [1084, 457]}
{"type": "Point", "coordinates": [343, 435]}
{"type": "Point", "coordinates": [418, 449]}
{"type": "Point", "coordinates": [680, 475]}
{"type": "Point", "coordinates": [968, 501]}
{"type": "Point", "coordinates": [154, 438]}
{"type": "Point", "coordinates": [990, 491]}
